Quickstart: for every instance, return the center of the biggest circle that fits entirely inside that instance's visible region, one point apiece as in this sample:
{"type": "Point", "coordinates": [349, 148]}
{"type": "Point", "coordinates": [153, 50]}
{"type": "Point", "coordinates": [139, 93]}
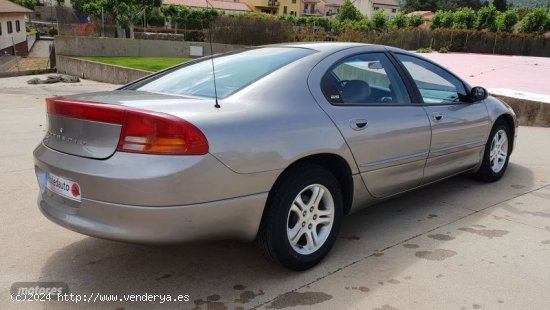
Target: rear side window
{"type": "Point", "coordinates": [366, 79]}
{"type": "Point", "coordinates": [233, 72]}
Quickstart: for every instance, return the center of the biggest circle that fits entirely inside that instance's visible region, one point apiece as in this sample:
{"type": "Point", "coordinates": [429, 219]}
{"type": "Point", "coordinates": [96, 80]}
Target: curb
{"type": "Point", "coordinates": [528, 112]}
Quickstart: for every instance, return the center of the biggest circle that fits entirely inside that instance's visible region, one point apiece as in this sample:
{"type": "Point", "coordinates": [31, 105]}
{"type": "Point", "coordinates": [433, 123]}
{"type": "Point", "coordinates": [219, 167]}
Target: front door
{"type": "Point", "coordinates": [459, 128]}
{"type": "Point", "coordinates": [367, 100]}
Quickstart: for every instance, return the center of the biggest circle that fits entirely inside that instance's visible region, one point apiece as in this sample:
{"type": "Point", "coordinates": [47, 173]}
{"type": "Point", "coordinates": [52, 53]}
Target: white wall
{"type": "Point", "coordinates": [366, 8]}
{"type": "Point", "coordinates": [18, 37]}
{"type": "Point", "coordinates": [388, 9]}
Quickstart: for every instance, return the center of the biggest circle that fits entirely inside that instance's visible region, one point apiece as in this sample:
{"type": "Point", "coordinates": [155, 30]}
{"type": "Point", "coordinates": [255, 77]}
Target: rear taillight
{"type": "Point", "coordinates": [142, 131]}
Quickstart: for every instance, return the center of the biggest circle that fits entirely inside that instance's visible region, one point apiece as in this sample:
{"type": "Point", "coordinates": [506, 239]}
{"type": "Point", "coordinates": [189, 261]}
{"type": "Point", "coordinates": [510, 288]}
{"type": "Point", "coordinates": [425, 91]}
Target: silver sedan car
{"type": "Point", "coordinates": [276, 146]}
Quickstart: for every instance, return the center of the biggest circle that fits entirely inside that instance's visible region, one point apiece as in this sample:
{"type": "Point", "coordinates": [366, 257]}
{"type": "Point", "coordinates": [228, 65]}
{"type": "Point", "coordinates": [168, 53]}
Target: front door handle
{"type": "Point", "coordinates": [358, 124]}
{"type": "Point", "coordinates": [437, 116]}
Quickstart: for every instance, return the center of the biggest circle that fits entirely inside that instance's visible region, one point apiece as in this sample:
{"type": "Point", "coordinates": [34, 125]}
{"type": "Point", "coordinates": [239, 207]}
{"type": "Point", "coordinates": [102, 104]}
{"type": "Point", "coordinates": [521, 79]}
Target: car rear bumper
{"type": "Point", "coordinates": [235, 219]}
{"type": "Point", "coordinates": [153, 199]}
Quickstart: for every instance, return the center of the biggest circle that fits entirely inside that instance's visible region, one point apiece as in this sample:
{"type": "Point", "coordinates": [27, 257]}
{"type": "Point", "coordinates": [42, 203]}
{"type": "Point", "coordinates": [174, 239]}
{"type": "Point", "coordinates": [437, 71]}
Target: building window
{"type": "Point", "coordinates": [285, 9]}
{"type": "Point", "coordinates": [0, 29]}
{"type": "Point", "coordinates": [293, 1]}
{"type": "Point", "coordinates": [393, 10]}
{"type": "Point", "coordinates": [10, 27]}
{"type": "Point", "coordinates": [17, 26]}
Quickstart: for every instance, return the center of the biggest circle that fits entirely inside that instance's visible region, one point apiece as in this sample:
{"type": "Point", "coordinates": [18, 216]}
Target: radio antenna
{"type": "Point", "coordinates": [217, 105]}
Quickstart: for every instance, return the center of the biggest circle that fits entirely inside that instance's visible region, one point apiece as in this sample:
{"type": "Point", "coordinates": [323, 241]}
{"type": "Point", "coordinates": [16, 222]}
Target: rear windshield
{"type": "Point", "coordinates": [233, 72]}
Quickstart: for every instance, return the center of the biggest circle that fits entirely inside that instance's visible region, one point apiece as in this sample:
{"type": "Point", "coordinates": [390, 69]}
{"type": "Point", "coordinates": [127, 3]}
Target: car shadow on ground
{"type": "Point", "coordinates": [217, 275]}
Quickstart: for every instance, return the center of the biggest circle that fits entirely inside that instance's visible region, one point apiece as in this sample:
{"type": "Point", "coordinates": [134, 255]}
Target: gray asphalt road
{"type": "Point", "coordinates": [459, 244]}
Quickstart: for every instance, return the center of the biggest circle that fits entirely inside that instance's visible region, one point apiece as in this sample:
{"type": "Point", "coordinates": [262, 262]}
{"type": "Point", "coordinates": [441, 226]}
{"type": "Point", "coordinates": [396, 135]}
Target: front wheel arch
{"type": "Point", "coordinates": [509, 120]}
{"type": "Point", "coordinates": [485, 172]}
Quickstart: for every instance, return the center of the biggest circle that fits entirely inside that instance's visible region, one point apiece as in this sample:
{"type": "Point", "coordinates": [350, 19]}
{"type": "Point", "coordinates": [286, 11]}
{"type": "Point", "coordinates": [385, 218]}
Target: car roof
{"type": "Point", "coordinates": [330, 47]}
{"type": "Point", "coordinates": [323, 46]}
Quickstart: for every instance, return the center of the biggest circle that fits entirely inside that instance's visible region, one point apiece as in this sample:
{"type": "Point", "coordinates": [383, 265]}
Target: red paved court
{"type": "Point", "coordinates": [517, 73]}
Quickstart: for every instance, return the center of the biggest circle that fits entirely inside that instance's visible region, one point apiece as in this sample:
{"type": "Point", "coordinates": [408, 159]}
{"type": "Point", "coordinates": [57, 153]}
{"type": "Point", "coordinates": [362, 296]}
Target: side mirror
{"type": "Point", "coordinates": [478, 93]}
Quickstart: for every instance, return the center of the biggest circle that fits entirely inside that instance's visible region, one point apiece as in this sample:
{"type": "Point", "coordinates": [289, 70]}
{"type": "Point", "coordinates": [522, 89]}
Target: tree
{"type": "Point", "coordinates": [434, 5]}
{"type": "Point", "coordinates": [420, 5]}
{"type": "Point", "coordinates": [508, 20]}
{"type": "Point", "coordinates": [379, 20]}
{"type": "Point", "coordinates": [464, 18]}
{"type": "Point", "coordinates": [487, 18]}
{"type": "Point", "coordinates": [501, 5]}
{"type": "Point", "coordinates": [170, 11]}
{"type": "Point", "coordinates": [349, 12]}
{"type": "Point", "coordinates": [399, 21]}
{"type": "Point", "coordinates": [442, 19]}
{"type": "Point", "coordinates": [448, 19]}
{"type": "Point", "coordinates": [29, 4]}
{"type": "Point", "coordinates": [437, 20]}
{"type": "Point", "coordinates": [125, 12]}
{"type": "Point", "coordinates": [416, 20]}
{"type": "Point", "coordinates": [535, 21]}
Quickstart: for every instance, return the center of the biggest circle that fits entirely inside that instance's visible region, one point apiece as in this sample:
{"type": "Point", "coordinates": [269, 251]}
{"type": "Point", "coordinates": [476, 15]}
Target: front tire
{"type": "Point", "coordinates": [497, 153]}
{"type": "Point", "coordinates": [302, 217]}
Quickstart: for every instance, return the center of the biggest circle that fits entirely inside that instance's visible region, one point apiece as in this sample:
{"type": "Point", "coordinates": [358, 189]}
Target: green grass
{"type": "Point", "coordinates": [144, 63]}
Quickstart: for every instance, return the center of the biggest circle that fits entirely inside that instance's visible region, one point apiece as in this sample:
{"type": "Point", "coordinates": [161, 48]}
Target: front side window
{"type": "Point", "coordinates": [366, 79]}
{"type": "Point", "coordinates": [17, 26]}
{"type": "Point", "coordinates": [436, 85]}
{"type": "Point", "coordinates": [233, 72]}
{"type": "Point", "coordinates": [10, 27]}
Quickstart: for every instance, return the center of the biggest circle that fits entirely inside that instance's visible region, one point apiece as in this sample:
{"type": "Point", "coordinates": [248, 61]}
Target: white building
{"type": "Point", "coordinates": [367, 7]}
{"type": "Point", "coordinates": [13, 34]}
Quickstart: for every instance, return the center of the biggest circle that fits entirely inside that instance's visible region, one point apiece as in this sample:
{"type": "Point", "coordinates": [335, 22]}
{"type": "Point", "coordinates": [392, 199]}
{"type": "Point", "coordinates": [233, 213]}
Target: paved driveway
{"type": "Point", "coordinates": [459, 244]}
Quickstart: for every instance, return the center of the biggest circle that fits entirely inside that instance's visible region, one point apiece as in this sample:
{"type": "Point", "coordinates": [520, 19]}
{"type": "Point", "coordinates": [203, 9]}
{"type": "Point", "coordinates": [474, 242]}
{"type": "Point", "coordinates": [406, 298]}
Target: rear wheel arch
{"type": "Point", "coordinates": [303, 213]}
{"type": "Point", "coordinates": [336, 164]}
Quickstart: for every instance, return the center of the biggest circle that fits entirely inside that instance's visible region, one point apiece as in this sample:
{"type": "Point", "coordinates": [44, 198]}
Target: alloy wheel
{"type": "Point", "coordinates": [499, 151]}
{"type": "Point", "coordinates": [310, 219]}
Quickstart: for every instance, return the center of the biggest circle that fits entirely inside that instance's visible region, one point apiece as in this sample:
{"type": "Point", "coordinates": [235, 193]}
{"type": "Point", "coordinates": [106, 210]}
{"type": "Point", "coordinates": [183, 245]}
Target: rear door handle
{"type": "Point", "coordinates": [358, 124]}
{"type": "Point", "coordinates": [437, 116]}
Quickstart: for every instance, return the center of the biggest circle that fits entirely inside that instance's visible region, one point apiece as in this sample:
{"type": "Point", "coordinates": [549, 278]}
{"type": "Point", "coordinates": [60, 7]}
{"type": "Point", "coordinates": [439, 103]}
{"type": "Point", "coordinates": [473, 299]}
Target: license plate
{"type": "Point", "coordinates": [63, 187]}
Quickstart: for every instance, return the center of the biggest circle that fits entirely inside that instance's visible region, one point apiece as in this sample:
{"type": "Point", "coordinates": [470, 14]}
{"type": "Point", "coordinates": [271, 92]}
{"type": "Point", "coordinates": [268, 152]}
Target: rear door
{"type": "Point", "coordinates": [366, 98]}
{"type": "Point", "coordinates": [459, 128]}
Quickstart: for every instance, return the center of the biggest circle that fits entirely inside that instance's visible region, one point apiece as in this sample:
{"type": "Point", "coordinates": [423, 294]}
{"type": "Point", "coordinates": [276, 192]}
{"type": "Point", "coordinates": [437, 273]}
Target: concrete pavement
{"type": "Point", "coordinates": [459, 244]}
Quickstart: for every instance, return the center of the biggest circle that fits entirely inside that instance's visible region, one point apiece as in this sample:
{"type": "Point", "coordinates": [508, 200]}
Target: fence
{"type": "Point", "coordinates": [458, 40]}
{"type": "Point", "coordinates": [31, 39]}
{"type": "Point", "coordinates": [259, 31]}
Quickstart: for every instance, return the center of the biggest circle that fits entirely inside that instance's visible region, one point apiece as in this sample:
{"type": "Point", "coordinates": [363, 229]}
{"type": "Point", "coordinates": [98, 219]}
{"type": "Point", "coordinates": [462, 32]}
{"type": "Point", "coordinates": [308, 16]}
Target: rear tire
{"type": "Point", "coordinates": [302, 217]}
{"type": "Point", "coordinates": [497, 153]}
